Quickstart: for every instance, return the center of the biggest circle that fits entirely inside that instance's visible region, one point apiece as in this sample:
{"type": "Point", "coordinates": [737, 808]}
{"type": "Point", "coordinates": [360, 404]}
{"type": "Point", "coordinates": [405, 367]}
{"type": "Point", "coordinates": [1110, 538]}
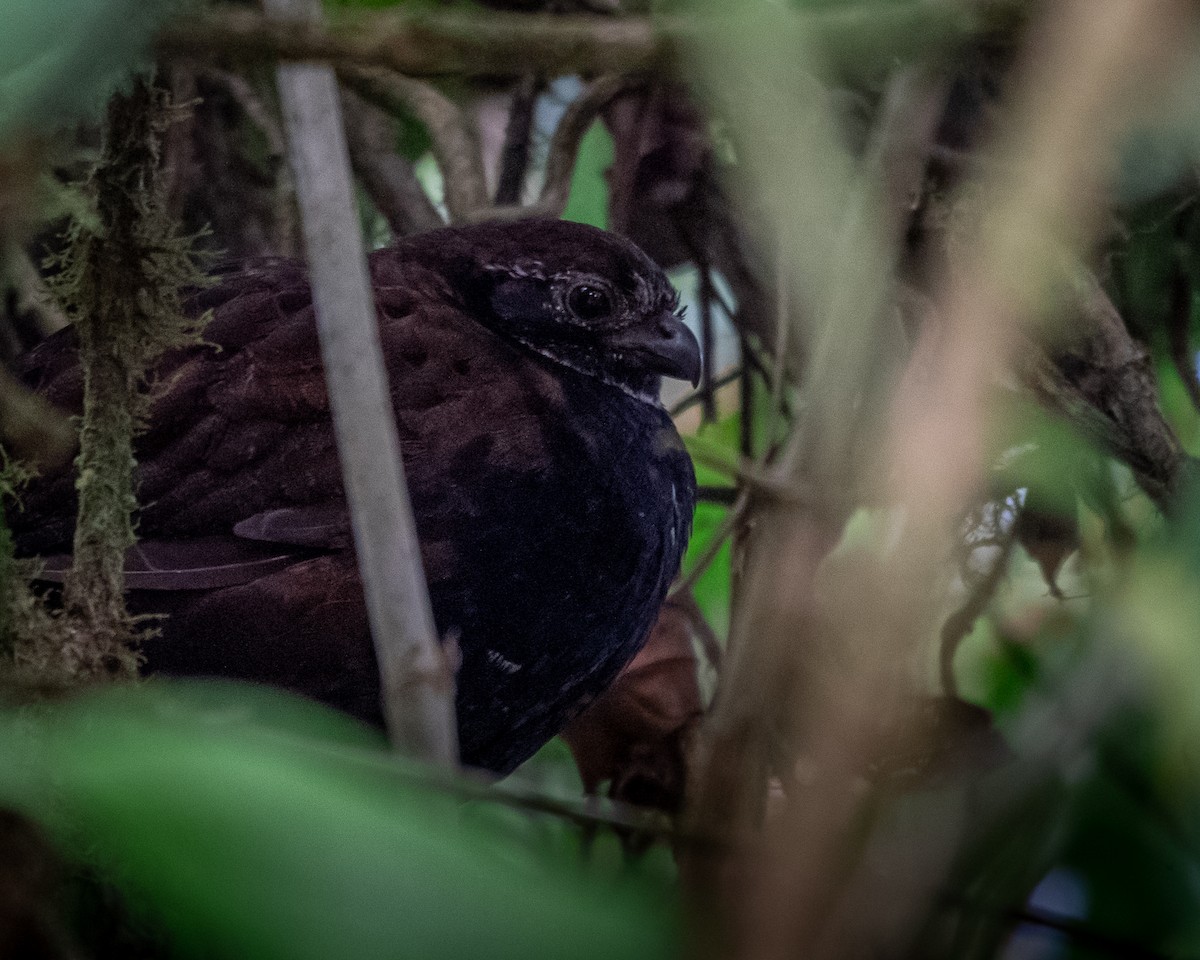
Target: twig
{"type": "Point", "coordinates": [564, 148]}
{"type": "Point", "coordinates": [416, 679]}
{"type": "Point", "coordinates": [961, 622]}
{"type": "Point", "coordinates": [266, 120]}
{"type": "Point", "coordinates": [472, 786]}
{"type": "Point", "coordinates": [707, 340]}
{"type": "Point", "coordinates": [716, 494]}
{"type": "Point", "coordinates": [728, 524]}
{"type": "Point", "coordinates": [690, 400]}
{"type": "Point", "coordinates": [770, 485]}
{"type": "Point", "coordinates": [252, 104]}
{"type": "Point", "coordinates": [514, 156]}
{"type": "Point", "coordinates": [913, 106]}
{"type": "Point", "coordinates": [745, 400]}
{"type": "Point", "coordinates": [783, 327]}
{"type": "Point", "coordinates": [451, 131]}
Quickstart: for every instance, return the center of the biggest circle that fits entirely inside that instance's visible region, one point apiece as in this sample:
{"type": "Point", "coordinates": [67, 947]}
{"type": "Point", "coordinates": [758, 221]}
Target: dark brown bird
{"type": "Point", "coordinates": [552, 494]}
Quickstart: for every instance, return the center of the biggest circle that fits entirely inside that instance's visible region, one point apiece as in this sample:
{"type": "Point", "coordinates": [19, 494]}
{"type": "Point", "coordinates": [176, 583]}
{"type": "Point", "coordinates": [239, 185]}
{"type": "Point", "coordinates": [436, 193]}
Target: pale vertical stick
{"type": "Point", "coordinates": [416, 680]}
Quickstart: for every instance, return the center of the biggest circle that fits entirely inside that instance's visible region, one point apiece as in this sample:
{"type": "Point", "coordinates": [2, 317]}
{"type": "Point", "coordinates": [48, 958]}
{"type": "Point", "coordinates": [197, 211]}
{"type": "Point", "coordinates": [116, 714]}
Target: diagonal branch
{"type": "Point", "coordinates": [415, 676]}
{"type": "Point", "coordinates": [388, 178]}
{"type": "Point", "coordinates": [455, 144]}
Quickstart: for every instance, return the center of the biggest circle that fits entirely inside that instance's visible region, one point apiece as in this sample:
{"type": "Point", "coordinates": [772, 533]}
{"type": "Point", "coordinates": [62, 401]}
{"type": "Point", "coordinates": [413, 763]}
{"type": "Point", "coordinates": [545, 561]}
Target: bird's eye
{"type": "Point", "coordinates": [588, 302]}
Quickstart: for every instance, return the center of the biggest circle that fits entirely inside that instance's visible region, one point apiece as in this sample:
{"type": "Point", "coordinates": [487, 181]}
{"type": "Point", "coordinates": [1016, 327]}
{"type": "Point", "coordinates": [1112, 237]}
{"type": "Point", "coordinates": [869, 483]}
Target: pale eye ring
{"type": "Point", "coordinates": [589, 302]}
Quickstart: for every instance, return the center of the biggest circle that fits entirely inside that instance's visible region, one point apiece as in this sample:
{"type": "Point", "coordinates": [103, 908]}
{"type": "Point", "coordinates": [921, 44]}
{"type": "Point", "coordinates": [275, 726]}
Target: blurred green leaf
{"type": "Point", "coordinates": [1144, 264]}
{"type": "Point", "coordinates": [60, 61]}
{"type": "Point", "coordinates": [254, 825]}
{"type": "Point", "coordinates": [713, 589]}
{"type": "Point", "coordinates": [551, 771]}
{"type": "Point", "coordinates": [714, 586]}
{"type": "Point", "coordinates": [588, 200]}
{"type": "Point", "coordinates": [1035, 451]}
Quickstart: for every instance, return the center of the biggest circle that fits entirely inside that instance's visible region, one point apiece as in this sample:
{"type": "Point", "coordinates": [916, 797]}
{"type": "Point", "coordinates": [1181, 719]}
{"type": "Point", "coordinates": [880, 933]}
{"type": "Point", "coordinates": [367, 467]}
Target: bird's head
{"type": "Point", "coordinates": [582, 297]}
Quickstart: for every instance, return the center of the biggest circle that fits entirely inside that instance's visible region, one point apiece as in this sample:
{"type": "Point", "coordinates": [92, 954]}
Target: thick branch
{"type": "Point", "coordinates": [861, 37]}
{"type": "Point", "coordinates": [120, 281]}
{"type": "Point", "coordinates": [1103, 384]}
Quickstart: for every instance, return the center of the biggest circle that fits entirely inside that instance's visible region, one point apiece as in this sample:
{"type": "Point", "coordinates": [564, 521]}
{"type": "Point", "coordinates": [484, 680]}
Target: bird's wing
{"type": "Point", "coordinates": [238, 471]}
{"type": "Point", "coordinates": [204, 563]}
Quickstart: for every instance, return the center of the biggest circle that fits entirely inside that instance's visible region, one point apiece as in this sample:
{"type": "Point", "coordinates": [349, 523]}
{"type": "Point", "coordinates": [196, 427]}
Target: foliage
{"type": "Point", "coordinates": [250, 824]}
{"type": "Point", "coordinates": [60, 61]}
{"type": "Point", "coordinates": [255, 825]}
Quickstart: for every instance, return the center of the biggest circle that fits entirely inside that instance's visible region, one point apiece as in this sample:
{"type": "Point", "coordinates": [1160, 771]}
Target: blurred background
{"type": "Point", "coordinates": [929, 682]}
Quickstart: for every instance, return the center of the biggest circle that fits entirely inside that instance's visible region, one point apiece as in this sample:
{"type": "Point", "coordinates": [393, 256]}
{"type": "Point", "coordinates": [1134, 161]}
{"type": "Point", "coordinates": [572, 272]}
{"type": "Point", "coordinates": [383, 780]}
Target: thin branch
{"type": "Point", "coordinates": [769, 485]}
{"type": "Point", "coordinates": [707, 342]}
{"type": "Point", "coordinates": [415, 675]}
{"type": "Point", "coordinates": [783, 327]}
{"type": "Point", "coordinates": [252, 104]}
{"type": "Point", "coordinates": [267, 122]}
{"type": "Point", "coordinates": [387, 177]}
{"type": "Point", "coordinates": [564, 148]}
{"type": "Point", "coordinates": [514, 156]}
{"type": "Point", "coordinates": [477, 787]}
{"type": "Point", "coordinates": [745, 399]}
{"type": "Point", "coordinates": [690, 400]}
{"type": "Point", "coordinates": [451, 132]}
{"type": "Point", "coordinates": [737, 513]}
{"type": "Point", "coordinates": [962, 621]}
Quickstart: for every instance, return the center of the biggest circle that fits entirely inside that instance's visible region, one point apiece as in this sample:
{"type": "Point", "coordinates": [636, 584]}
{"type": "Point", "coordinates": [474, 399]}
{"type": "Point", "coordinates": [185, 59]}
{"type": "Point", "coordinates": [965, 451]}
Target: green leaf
{"type": "Point", "coordinates": [588, 200]}
{"type": "Point", "coordinates": [256, 825]}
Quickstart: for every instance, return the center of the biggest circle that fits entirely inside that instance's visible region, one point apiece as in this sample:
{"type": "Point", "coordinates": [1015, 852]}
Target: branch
{"type": "Point", "coordinates": [1110, 395]}
{"type": "Point", "coordinates": [962, 621]}
{"type": "Point", "coordinates": [387, 177]}
{"type": "Point", "coordinates": [120, 281]}
{"type": "Point", "coordinates": [1086, 67]}
{"type": "Point", "coordinates": [415, 677]}
{"type": "Point", "coordinates": [514, 156]}
{"type": "Point", "coordinates": [564, 149]}
{"type": "Point", "coordinates": [862, 38]}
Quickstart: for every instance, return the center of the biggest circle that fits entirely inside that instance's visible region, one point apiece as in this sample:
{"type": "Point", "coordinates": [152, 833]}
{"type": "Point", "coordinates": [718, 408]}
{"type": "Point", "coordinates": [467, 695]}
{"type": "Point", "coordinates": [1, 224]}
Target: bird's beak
{"type": "Point", "coordinates": [666, 346]}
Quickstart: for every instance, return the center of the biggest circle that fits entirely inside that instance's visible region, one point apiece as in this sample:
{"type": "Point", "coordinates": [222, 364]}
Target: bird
{"type": "Point", "coordinates": [552, 494]}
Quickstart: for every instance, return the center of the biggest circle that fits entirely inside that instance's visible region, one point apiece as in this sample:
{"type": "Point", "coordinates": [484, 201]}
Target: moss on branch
{"type": "Point", "coordinates": [120, 284]}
